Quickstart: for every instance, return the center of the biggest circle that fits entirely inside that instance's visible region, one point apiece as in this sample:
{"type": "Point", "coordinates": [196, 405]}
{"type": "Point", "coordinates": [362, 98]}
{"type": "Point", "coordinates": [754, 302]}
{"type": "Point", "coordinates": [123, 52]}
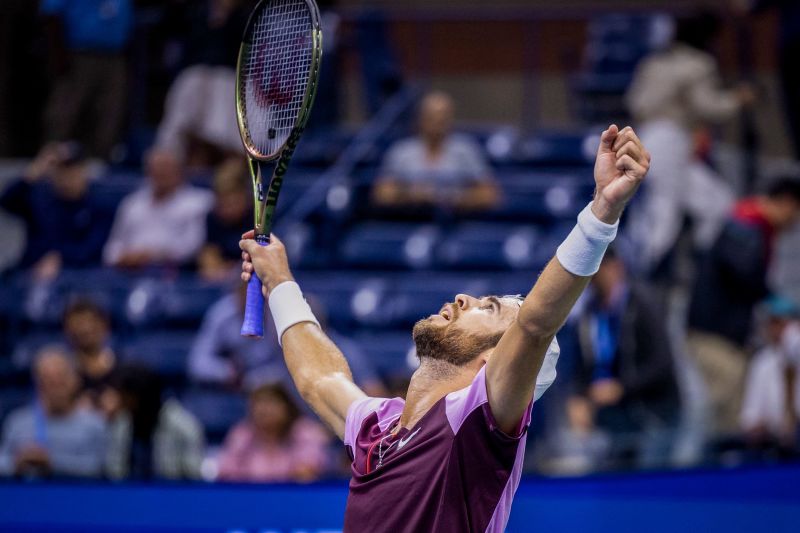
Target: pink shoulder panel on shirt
{"type": "Point", "coordinates": [387, 410]}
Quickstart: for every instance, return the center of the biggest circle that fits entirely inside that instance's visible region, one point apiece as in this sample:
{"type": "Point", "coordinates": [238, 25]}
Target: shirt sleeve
{"type": "Point", "coordinates": [116, 245]}
{"type": "Point", "coordinates": [356, 413]}
{"type": "Point", "coordinates": [750, 416]}
{"type": "Point", "coordinates": [460, 404]}
{"type": "Point", "coordinates": [790, 344]}
{"type": "Point", "coordinates": [393, 167]}
{"type": "Point", "coordinates": [473, 161]}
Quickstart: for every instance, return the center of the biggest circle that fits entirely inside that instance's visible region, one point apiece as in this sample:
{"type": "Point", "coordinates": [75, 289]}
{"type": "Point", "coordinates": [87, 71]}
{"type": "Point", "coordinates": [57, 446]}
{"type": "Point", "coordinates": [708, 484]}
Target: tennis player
{"type": "Point", "coordinates": [449, 457]}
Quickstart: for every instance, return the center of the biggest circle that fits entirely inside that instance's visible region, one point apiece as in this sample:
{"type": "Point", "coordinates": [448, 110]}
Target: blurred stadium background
{"type": "Point", "coordinates": [676, 404]}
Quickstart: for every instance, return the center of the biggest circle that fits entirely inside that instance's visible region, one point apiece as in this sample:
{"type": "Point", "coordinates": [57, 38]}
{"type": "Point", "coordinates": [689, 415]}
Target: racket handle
{"type": "Point", "coordinates": [253, 324]}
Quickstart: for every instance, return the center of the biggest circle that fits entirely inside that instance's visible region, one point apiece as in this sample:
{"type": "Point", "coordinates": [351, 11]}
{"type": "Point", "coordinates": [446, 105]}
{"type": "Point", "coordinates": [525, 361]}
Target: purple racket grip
{"type": "Point", "coordinates": [253, 325]}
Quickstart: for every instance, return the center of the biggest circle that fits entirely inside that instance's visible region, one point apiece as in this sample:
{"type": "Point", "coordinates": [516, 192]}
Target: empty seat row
{"type": "Point", "coordinates": [478, 245]}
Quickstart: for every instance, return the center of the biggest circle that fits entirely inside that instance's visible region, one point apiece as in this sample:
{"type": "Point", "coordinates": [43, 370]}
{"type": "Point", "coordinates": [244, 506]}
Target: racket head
{"type": "Point", "coordinates": [276, 75]}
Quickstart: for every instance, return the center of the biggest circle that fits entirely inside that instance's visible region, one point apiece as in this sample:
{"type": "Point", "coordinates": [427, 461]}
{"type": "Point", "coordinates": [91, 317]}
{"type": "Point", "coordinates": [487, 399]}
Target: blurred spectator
{"type": "Point", "coordinates": [198, 122]}
{"type": "Point", "coordinates": [87, 41]}
{"type": "Point", "coordinates": [151, 437]}
{"type": "Point", "coordinates": [625, 375]}
{"type": "Point", "coordinates": [231, 216]}
{"type": "Point", "coordinates": [436, 168]}
{"type": "Point", "coordinates": [674, 93]}
{"type": "Point", "coordinates": [65, 219]}
{"type": "Point", "coordinates": [788, 50]}
{"type": "Point", "coordinates": [87, 329]}
{"type": "Point", "coordinates": [53, 436]}
{"type": "Point", "coordinates": [221, 356]}
{"type": "Point", "coordinates": [731, 279]}
{"type": "Point", "coordinates": [150, 220]}
{"type": "Point", "coordinates": [771, 406]}
{"type": "Point", "coordinates": [275, 443]}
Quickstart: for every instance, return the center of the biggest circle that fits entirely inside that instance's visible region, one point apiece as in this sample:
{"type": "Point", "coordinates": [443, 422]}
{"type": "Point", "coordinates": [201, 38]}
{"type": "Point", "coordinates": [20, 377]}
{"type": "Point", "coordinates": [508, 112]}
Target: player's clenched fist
{"type": "Point", "coordinates": [269, 262]}
{"type": "Point", "coordinates": [622, 162]}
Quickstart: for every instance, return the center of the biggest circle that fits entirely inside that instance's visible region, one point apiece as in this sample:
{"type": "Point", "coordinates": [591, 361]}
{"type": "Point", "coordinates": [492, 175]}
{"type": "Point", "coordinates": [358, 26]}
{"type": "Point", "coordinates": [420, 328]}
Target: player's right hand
{"type": "Point", "coordinates": [268, 262]}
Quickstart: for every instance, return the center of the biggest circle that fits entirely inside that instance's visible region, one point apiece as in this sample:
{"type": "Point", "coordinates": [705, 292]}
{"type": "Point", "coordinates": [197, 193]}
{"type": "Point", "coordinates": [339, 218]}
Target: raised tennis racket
{"type": "Point", "coordinates": [276, 80]}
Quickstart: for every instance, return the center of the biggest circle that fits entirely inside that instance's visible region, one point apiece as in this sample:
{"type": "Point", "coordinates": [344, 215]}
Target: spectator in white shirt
{"type": "Point", "coordinates": [147, 221]}
{"type": "Point", "coordinates": [437, 167]}
{"type": "Point", "coordinates": [772, 385]}
{"type": "Point", "coordinates": [54, 436]}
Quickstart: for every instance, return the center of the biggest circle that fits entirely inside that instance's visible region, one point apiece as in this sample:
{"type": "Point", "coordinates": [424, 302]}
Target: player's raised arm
{"type": "Point", "coordinates": [318, 368]}
{"type": "Point", "coordinates": [511, 371]}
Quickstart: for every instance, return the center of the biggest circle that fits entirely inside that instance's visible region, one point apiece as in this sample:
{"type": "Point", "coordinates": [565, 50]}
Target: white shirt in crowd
{"type": "Point", "coordinates": [765, 390]}
{"type": "Point", "coordinates": [172, 229]}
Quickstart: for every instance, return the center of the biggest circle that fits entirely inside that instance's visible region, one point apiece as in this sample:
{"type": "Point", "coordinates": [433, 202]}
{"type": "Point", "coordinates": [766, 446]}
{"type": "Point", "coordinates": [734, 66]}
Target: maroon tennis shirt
{"type": "Point", "coordinates": [453, 471]}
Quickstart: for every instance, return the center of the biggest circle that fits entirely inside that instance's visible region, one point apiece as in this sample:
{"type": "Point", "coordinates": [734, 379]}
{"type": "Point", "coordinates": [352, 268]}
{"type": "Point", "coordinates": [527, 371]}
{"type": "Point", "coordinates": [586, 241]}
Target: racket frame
{"type": "Point", "coordinates": [266, 198]}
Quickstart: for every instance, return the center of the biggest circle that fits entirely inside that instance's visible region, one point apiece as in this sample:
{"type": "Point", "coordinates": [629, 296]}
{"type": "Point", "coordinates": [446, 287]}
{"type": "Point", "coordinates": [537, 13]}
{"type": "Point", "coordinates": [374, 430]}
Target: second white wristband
{"type": "Point", "coordinates": [584, 248]}
{"type": "Point", "coordinates": [288, 307]}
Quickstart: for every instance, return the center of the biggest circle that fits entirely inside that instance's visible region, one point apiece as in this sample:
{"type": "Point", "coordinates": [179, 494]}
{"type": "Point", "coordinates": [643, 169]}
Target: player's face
{"type": "Point", "coordinates": [465, 328]}
{"type": "Point", "coordinates": [481, 316]}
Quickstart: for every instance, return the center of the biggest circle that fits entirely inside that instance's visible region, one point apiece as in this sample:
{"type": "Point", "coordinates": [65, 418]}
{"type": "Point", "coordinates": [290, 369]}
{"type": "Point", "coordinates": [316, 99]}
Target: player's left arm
{"type": "Point", "coordinates": [511, 371]}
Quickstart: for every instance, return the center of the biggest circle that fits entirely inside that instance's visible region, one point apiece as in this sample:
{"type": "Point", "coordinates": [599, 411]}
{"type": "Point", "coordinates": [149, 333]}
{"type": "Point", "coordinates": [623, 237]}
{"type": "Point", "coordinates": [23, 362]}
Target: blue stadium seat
{"type": "Point", "coordinates": [554, 149]}
{"type": "Point", "coordinates": [489, 246]}
{"type": "Point", "coordinates": [12, 398]}
{"type": "Point", "coordinates": [25, 348]}
{"type": "Point", "coordinates": [184, 302]}
{"type": "Point", "coordinates": [387, 245]}
{"type": "Point", "coordinates": [390, 352]}
{"type": "Point", "coordinates": [217, 410]}
{"type": "Point", "coordinates": [44, 304]}
{"type": "Point", "coordinates": [165, 352]}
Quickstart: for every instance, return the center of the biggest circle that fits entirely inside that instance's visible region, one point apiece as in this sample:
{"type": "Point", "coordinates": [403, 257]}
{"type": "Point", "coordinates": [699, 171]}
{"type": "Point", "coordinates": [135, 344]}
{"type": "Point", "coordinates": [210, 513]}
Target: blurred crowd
{"type": "Point", "coordinates": [681, 352]}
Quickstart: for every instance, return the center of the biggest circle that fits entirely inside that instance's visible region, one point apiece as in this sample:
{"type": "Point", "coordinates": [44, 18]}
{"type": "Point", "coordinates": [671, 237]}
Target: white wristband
{"type": "Point", "coordinates": [584, 248]}
{"type": "Point", "coordinates": [288, 307]}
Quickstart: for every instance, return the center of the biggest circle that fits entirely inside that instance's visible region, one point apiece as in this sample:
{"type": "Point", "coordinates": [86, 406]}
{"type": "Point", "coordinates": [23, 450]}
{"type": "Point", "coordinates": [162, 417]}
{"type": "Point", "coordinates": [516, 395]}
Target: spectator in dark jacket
{"type": "Point", "coordinates": [625, 371]}
{"type": "Point", "coordinates": [67, 223]}
{"type": "Point", "coordinates": [87, 330]}
{"type": "Point", "coordinates": [731, 279]}
{"type": "Point", "coordinates": [231, 216]}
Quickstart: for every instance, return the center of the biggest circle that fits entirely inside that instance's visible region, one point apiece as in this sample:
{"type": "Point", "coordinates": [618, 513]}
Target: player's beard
{"type": "Point", "coordinates": [449, 343]}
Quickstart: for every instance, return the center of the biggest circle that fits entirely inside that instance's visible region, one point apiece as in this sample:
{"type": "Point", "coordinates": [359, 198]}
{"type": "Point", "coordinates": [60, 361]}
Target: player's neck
{"type": "Point", "coordinates": [432, 381]}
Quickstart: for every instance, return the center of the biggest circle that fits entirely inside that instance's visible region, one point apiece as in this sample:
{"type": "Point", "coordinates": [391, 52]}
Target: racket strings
{"type": "Point", "coordinates": [276, 72]}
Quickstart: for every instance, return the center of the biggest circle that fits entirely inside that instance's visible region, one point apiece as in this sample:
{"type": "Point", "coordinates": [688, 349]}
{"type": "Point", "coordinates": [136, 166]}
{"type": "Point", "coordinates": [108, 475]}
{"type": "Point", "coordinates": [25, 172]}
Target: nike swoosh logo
{"type": "Point", "coordinates": [404, 441]}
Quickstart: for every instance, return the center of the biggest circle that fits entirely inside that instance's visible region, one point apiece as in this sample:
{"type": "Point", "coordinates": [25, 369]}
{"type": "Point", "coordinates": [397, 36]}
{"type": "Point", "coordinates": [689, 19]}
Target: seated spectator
{"type": "Point", "coordinates": [221, 356]}
{"type": "Point", "coordinates": [87, 329]}
{"type": "Point", "coordinates": [53, 436]}
{"type": "Point", "coordinates": [771, 406]}
{"type": "Point", "coordinates": [625, 370]}
{"type": "Point", "coordinates": [436, 168]}
{"type": "Point", "coordinates": [87, 42]}
{"type": "Point", "coordinates": [150, 220]}
{"type": "Point", "coordinates": [151, 437]}
{"type": "Point", "coordinates": [65, 220]}
{"type": "Point", "coordinates": [232, 215]}
{"type": "Point", "coordinates": [274, 443]}
{"type": "Point", "coordinates": [731, 279]}
{"type": "Point", "coordinates": [198, 122]}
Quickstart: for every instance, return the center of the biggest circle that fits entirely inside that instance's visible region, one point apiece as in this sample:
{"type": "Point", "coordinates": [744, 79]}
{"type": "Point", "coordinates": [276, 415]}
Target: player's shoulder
{"type": "Point", "coordinates": [384, 409]}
